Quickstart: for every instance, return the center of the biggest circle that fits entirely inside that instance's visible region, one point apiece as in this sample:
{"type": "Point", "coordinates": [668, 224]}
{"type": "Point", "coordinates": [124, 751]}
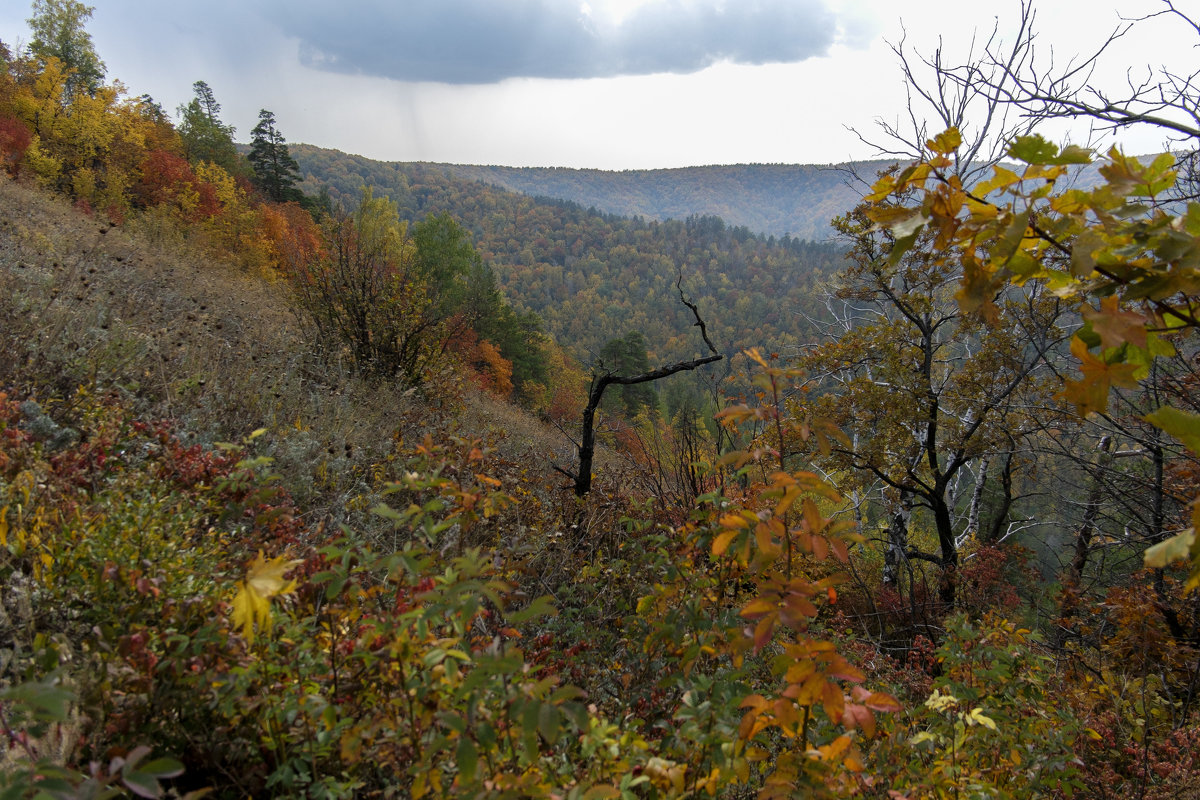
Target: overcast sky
{"type": "Point", "coordinates": [613, 84]}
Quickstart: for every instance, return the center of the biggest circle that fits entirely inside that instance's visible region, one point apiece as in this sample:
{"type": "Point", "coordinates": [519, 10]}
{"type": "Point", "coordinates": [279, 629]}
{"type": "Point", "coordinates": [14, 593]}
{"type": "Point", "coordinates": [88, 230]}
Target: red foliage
{"type": "Point", "coordinates": [168, 178]}
{"type": "Point", "coordinates": [209, 205]}
{"type": "Point", "coordinates": [15, 138]}
{"type": "Point", "coordinates": [1117, 766]}
{"type": "Point", "coordinates": [986, 579]}
{"type": "Point", "coordinates": [163, 176]}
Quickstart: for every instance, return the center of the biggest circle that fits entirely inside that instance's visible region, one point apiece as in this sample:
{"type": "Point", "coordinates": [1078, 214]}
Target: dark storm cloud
{"type": "Point", "coordinates": [486, 41]}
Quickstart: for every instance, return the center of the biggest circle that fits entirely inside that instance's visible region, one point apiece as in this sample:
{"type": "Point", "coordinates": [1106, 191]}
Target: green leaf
{"type": "Point", "coordinates": [549, 723]}
{"type": "Point", "coordinates": [142, 785]}
{"type": "Point", "coordinates": [163, 768]}
{"type": "Point", "coordinates": [468, 758]}
{"type": "Point", "coordinates": [1033, 149]}
{"type": "Point", "coordinates": [1082, 259]}
{"type": "Point", "coordinates": [1183, 425]}
{"type": "Point", "coordinates": [540, 607]}
{"type": "Point", "coordinates": [902, 246]}
{"type": "Point", "coordinates": [1073, 154]}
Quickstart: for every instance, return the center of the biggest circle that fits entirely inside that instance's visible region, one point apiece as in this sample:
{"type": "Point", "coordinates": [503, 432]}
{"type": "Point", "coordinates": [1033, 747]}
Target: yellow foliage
{"type": "Point", "coordinates": [264, 580]}
{"type": "Point", "coordinates": [226, 188]}
{"type": "Point", "coordinates": [45, 167]}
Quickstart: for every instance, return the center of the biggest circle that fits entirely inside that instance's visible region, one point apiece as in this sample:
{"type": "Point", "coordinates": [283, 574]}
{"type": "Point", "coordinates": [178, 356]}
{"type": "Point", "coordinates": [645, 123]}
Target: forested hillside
{"type": "Point", "coordinates": [283, 449]}
{"type": "Point", "coordinates": [799, 201]}
{"type": "Point", "coordinates": [796, 200]}
{"type": "Point", "coordinates": [593, 276]}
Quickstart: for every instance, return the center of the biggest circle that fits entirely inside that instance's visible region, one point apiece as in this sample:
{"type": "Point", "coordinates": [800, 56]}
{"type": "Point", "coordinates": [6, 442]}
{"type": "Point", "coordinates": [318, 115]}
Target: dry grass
{"type": "Point", "coordinates": [145, 314]}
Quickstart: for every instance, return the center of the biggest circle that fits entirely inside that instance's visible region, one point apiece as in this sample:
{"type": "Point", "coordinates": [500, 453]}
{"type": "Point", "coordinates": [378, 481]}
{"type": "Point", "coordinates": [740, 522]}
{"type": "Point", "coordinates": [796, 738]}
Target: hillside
{"type": "Point", "coordinates": [272, 526]}
{"type": "Point", "coordinates": [593, 276]}
{"type": "Point", "coordinates": [796, 200]}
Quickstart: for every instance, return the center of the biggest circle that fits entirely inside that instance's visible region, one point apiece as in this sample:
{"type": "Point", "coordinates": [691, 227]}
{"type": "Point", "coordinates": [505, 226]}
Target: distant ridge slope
{"type": "Point", "coordinates": [796, 200]}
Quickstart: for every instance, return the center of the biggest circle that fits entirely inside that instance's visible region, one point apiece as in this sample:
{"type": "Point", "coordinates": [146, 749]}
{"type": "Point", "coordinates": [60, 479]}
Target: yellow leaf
{"type": "Point", "coordinates": [1091, 393]}
{"type": "Point", "coordinates": [266, 577]}
{"type": "Point", "coordinates": [734, 521]}
{"type": "Point", "coordinates": [946, 142]}
{"type": "Point", "coordinates": [251, 604]}
{"type": "Point", "coordinates": [249, 610]}
{"type": "Point", "coordinates": [1001, 178]}
{"type": "Point", "coordinates": [721, 543]}
{"type": "Point", "coordinates": [1177, 548]}
{"type": "Point", "coordinates": [977, 717]}
{"type": "Point", "coordinates": [757, 607]}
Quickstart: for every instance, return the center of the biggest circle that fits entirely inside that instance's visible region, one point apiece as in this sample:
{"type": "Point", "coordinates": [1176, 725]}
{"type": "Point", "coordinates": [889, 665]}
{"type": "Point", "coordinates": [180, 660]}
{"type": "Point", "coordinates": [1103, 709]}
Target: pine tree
{"type": "Point", "coordinates": [275, 171]}
{"type": "Point", "coordinates": [205, 137]}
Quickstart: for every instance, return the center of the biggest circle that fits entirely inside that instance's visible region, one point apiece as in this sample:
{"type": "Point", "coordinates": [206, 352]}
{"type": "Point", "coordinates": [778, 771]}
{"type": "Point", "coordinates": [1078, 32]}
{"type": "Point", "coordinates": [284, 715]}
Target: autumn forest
{"type": "Point", "coordinates": [330, 477]}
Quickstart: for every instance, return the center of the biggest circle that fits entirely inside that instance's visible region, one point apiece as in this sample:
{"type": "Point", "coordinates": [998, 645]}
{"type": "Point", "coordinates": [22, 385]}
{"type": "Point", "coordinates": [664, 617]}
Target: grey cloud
{"type": "Point", "coordinates": [486, 41]}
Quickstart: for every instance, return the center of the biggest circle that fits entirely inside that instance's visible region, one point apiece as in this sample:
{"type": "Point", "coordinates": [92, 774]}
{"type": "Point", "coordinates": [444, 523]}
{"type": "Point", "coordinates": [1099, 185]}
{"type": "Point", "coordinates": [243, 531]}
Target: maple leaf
{"type": "Point", "coordinates": [1114, 326]}
{"type": "Point", "coordinates": [1091, 392]}
{"type": "Point", "coordinates": [264, 580]}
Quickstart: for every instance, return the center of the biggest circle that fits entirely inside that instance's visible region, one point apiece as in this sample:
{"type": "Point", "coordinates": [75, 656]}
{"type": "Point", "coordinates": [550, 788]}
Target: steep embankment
{"type": "Point", "coordinates": [145, 313]}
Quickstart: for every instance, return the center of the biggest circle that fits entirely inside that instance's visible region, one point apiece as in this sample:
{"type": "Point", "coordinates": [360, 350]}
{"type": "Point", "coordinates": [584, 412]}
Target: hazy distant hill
{"type": "Point", "coordinates": [797, 200]}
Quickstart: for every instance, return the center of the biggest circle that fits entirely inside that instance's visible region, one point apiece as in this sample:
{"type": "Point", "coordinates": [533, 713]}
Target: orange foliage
{"type": "Point", "coordinates": [499, 368]}
{"type": "Point", "coordinates": [492, 371]}
{"type": "Point", "coordinates": [293, 234]}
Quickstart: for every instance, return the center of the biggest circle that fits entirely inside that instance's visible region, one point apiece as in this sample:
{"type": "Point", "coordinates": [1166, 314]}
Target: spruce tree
{"type": "Point", "coordinates": [275, 171]}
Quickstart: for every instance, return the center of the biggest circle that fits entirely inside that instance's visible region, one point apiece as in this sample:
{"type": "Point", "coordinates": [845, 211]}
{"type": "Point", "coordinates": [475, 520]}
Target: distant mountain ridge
{"type": "Point", "coordinates": [796, 200]}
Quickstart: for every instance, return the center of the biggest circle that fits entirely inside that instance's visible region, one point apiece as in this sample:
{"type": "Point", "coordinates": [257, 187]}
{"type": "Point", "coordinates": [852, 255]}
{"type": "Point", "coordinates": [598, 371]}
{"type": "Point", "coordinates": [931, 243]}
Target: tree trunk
{"type": "Point", "coordinates": [897, 544]}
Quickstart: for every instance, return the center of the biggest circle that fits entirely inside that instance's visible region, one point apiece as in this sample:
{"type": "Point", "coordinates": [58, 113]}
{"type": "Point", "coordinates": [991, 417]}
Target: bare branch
{"type": "Point", "coordinates": [587, 446]}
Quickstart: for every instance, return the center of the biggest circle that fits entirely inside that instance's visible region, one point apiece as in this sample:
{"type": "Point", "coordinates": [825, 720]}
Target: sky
{"type": "Point", "coordinates": [609, 84]}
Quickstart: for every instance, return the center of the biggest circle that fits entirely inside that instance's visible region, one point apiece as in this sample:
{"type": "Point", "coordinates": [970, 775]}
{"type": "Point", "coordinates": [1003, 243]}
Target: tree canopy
{"type": "Point", "coordinates": [58, 32]}
{"type": "Point", "coordinates": [205, 137]}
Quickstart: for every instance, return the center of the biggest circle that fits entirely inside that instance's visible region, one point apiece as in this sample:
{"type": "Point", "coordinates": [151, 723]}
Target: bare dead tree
{"type": "Point", "coordinates": [600, 381]}
{"type": "Point", "coordinates": [1156, 96]}
{"type": "Point", "coordinates": [1003, 89]}
{"type": "Point", "coordinates": [971, 96]}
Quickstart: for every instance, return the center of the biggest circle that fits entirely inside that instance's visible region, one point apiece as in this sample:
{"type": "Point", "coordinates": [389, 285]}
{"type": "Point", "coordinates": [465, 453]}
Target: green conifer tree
{"type": "Point", "coordinates": [205, 137]}
{"type": "Point", "coordinates": [275, 171]}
